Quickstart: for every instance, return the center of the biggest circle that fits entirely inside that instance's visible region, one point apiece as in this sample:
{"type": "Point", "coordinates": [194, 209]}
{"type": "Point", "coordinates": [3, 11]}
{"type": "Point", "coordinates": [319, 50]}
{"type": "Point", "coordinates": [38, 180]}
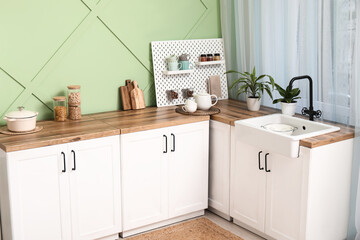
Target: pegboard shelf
{"type": "Point", "coordinates": [197, 79]}
{"type": "Point", "coordinates": [166, 72]}
{"type": "Point", "coordinates": [210, 63]}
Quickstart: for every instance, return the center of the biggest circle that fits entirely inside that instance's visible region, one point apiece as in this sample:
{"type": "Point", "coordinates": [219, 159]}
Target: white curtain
{"type": "Point", "coordinates": [287, 38]}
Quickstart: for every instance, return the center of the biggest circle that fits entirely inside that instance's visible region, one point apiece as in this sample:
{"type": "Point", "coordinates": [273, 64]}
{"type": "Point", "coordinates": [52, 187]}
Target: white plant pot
{"type": "Point", "coordinates": [253, 104]}
{"type": "Point", "coordinates": [288, 108]}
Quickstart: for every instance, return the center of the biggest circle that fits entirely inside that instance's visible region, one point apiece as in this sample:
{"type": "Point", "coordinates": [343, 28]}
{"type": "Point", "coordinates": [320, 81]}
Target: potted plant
{"type": "Point", "coordinates": [289, 95]}
{"type": "Point", "coordinates": [253, 86]}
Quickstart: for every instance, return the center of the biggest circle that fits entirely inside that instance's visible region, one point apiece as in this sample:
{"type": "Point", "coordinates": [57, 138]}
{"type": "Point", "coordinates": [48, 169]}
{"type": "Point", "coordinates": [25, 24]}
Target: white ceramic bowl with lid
{"type": "Point", "coordinates": [21, 120]}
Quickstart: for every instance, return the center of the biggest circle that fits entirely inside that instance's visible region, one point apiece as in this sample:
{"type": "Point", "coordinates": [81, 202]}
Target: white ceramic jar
{"type": "Point", "coordinates": [21, 120]}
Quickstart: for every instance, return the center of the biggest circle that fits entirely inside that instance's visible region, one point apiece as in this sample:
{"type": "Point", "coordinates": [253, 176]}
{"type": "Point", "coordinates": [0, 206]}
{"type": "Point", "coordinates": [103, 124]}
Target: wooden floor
{"type": "Point", "coordinates": [239, 231]}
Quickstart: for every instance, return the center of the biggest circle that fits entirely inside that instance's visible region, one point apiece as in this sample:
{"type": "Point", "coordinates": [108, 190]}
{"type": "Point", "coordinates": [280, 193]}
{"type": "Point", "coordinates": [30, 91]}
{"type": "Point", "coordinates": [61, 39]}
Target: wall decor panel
{"type": "Point", "coordinates": [46, 45]}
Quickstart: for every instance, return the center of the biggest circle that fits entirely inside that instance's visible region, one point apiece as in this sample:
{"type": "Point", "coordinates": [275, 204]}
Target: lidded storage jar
{"type": "Point", "coordinates": [60, 111]}
{"type": "Point", "coordinates": [74, 102]}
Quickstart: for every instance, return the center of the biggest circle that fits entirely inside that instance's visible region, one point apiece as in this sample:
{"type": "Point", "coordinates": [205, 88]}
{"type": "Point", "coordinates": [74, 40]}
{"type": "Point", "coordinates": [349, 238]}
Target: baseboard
{"type": "Point", "coordinates": [220, 214]}
{"type": "Point", "coordinates": [111, 237]}
{"type": "Point", "coordinates": [161, 224]}
{"type": "Point", "coordinates": [251, 229]}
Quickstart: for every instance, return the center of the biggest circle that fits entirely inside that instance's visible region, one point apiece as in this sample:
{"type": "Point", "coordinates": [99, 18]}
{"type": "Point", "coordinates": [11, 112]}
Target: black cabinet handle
{"type": "Point", "coordinates": [266, 169]}
{"type": "Point", "coordinates": [165, 144]}
{"type": "Point", "coordinates": [259, 158]}
{"type": "Point", "coordinates": [74, 155]}
{"type": "Point", "coordinates": [173, 150]}
{"type": "Point", "coordinates": [64, 170]}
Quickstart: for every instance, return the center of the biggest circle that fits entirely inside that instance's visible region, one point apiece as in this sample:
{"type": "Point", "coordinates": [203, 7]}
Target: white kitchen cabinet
{"type": "Point", "coordinates": [248, 187]}
{"type": "Point", "coordinates": [144, 178]}
{"type": "Point", "coordinates": [38, 190]}
{"type": "Point", "coordinates": [67, 191]}
{"type": "Point", "coordinates": [219, 168]}
{"type": "Point", "coordinates": [188, 168]}
{"type": "Point", "coordinates": [95, 188]}
{"type": "Point", "coordinates": [164, 174]}
{"type": "Point", "coordinates": [278, 197]}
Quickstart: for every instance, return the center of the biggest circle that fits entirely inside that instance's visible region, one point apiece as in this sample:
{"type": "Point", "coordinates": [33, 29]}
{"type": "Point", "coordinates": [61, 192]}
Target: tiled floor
{"type": "Point", "coordinates": [231, 227]}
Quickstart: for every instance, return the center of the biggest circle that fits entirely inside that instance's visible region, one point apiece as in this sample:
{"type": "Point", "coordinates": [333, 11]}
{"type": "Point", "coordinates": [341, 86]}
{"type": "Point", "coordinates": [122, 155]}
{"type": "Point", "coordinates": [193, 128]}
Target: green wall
{"type": "Point", "coordinates": [46, 45]}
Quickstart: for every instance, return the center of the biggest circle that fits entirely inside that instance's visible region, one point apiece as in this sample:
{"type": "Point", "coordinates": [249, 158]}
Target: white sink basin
{"type": "Point", "coordinates": [252, 131]}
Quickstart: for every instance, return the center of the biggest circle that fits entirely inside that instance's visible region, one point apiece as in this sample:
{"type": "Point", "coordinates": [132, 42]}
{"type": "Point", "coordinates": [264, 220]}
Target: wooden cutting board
{"type": "Point", "coordinates": [125, 95]}
{"type": "Point", "coordinates": [137, 97]}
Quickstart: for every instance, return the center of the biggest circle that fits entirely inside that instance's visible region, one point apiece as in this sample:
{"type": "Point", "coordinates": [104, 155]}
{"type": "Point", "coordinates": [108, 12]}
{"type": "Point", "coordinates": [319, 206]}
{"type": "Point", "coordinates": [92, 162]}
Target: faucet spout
{"type": "Point", "coordinates": [306, 111]}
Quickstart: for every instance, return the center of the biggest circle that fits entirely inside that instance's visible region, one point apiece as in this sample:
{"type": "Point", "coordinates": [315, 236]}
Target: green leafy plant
{"type": "Point", "coordinates": [289, 95]}
{"type": "Point", "coordinates": [252, 85]}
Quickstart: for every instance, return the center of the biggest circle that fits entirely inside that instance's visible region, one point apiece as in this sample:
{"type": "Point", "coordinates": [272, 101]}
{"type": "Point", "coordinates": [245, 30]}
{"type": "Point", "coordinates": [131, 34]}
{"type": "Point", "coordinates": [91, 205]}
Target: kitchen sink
{"type": "Point", "coordinates": [279, 139]}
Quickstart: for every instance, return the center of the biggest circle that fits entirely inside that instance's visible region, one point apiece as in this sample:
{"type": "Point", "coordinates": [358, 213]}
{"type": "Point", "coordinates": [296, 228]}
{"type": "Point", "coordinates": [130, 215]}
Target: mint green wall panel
{"type": "Point", "coordinates": [9, 91]}
{"type": "Point", "coordinates": [46, 45]}
{"type": "Point", "coordinates": [100, 64]}
{"type": "Point", "coordinates": [32, 30]}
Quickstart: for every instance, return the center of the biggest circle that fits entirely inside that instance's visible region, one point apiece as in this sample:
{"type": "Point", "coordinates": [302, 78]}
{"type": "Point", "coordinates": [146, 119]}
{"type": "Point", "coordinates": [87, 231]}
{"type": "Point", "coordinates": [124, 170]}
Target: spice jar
{"type": "Point", "coordinates": [60, 111]}
{"type": "Point", "coordinates": [74, 102]}
{"type": "Point", "coordinates": [210, 57]}
{"type": "Point", "coordinates": [203, 58]}
{"type": "Point", "coordinates": [217, 57]}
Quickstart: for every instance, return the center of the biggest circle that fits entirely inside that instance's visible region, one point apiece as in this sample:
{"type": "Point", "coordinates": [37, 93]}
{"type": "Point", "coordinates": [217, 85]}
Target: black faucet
{"type": "Point", "coordinates": [306, 111]}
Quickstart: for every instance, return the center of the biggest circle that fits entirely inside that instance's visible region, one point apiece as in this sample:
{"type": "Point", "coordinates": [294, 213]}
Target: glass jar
{"type": "Point", "coordinates": [203, 58]}
{"type": "Point", "coordinates": [74, 112]}
{"type": "Point", "coordinates": [74, 102]}
{"type": "Point", "coordinates": [210, 57]}
{"type": "Point", "coordinates": [217, 57]}
{"type": "Point", "coordinates": [74, 95]}
{"type": "Point", "coordinates": [60, 111]}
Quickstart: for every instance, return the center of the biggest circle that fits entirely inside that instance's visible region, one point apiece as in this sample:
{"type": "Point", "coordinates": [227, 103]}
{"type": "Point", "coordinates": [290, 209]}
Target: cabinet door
{"type": "Point", "coordinates": [144, 178]}
{"type": "Point", "coordinates": [219, 167]}
{"type": "Point", "coordinates": [286, 197]}
{"type": "Point", "coordinates": [248, 186]}
{"type": "Point", "coordinates": [188, 168]}
{"type": "Point", "coordinates": [38, 191]}
{"type": "Point", "coordinates": [95, 187]}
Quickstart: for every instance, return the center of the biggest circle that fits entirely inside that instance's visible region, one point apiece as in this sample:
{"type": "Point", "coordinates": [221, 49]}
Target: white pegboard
{"type": "Point", "coordinates": [197, 80]}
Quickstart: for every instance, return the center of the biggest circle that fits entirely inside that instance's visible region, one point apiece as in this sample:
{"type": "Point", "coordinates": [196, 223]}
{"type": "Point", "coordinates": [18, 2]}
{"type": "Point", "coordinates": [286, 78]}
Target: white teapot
{"type": "Point", "coordinates": [203, 100]}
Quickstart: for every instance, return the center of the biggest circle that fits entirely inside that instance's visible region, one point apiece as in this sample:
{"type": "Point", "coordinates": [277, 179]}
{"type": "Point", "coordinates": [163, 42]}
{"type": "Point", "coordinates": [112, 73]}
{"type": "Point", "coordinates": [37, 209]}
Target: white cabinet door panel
{"type": "Point", "coordinates": [39, 194]}
{"type": "Point", "coordinates": [285, 197]}
{"type": "Point", "coordinates": [188, 168]}
{"type": "Point", "coordinates": [219, 167]}
{"type": "Point", "coordinates": [95, 187]}
{"type": "Point", "coordinates": [248, 186]}
{"type": "Point", "coordinates": [144, 174]}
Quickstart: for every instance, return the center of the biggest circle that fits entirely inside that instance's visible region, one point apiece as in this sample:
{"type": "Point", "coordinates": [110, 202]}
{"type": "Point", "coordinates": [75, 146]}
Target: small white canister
{"type": "Point", "coordinates": [21, 120]}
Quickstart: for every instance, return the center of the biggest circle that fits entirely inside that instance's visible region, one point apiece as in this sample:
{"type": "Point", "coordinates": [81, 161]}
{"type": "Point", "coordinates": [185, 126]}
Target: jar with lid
{"type": "Point", "coordinates": [74, 95]}
{"type": "Point", "coordinates": [210, 57]}
{"type": "Point", "coordinates": [74, 102]}
{"type": "Point", "coordinates": [203, 58]}
{"type": "Point", "coordinates": [217, 57]}
{"type": "Point", "coordinates": [60, 110]}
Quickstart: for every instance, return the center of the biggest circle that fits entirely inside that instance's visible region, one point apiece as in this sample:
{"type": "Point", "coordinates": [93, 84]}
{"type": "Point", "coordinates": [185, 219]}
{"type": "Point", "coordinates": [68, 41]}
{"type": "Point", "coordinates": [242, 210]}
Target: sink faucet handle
{"type": "Point", "coordinates": [318, 114]}
{"type": "Point", "coordinates": [304, 110]}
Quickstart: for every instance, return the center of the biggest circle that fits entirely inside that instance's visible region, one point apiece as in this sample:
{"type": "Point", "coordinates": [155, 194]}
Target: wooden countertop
{"type": "Point", "coordinates": [122, 122]}
{"type": "Point", "coordinates": [96, 126]}
{"type": "Point", "coordinates": [146, 119]}
{"type": "Point", "coordinates": [232, 111]}
{"type": "Point", "coordinates": [57, 133]}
